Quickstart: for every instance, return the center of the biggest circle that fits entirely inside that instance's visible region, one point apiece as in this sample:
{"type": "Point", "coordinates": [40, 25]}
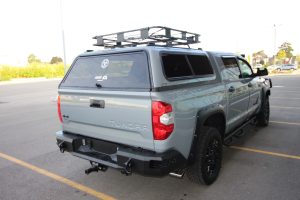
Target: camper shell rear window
{"type": "Point", "coordinates": [114, 71]}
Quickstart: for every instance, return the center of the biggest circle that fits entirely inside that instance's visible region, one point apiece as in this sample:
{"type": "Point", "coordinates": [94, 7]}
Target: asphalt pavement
{"type": "Point", "coordinates": [263, 164]}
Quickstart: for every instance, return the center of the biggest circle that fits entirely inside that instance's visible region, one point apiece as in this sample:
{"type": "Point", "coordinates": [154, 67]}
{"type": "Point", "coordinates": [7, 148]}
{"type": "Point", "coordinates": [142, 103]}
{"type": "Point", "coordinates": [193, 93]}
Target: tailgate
{"type": "Point", "coordinates": [121, 117]}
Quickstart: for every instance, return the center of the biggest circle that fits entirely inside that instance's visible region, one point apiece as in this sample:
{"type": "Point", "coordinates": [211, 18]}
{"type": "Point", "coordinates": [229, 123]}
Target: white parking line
{"type": "Point", "coordinates": [266, 152]}
{"type": "Point", "coordinates": [283, 86]}
{"type": "Point", "coordinates": [289, 123]}
{"type": "Point", "coordinates": [285, 107]}
{"type": "Point", "coordinates": [286, 98]}
{"type": "Point", "coordinates": [289, 91]}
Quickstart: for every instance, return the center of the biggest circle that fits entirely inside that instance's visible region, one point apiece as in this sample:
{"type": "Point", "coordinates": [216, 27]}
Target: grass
{"type": "Point", "coordinates": [31, 71]}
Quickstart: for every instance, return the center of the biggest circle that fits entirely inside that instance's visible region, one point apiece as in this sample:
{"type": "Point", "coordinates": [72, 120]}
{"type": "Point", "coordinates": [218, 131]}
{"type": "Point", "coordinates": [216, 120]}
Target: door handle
{"type": "Point", "coordinates": [231, 89]}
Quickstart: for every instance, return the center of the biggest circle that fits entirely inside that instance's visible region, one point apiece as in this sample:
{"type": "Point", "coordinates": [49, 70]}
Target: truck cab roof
{"type": "Point", "coordinates": [142, 48]}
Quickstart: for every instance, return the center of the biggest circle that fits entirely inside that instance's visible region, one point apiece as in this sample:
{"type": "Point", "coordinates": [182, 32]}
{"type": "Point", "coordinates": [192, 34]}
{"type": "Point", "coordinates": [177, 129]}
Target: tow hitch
{"type": "Point", "coordinates": [61, 147]}
{"type": "Point", "coordinates": [127, 170]}
{"type": "Point", "coordinates": [95, 167]}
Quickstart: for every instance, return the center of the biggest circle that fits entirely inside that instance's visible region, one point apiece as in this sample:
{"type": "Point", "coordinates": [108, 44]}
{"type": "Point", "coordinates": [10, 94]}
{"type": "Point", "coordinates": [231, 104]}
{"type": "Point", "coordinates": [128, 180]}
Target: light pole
{"type": "Point", "coordinates": [274, 44]}
{"type": "Point", "coordinates": [63, 36]}
{"type": "Point", "coordinates": [275, 40]}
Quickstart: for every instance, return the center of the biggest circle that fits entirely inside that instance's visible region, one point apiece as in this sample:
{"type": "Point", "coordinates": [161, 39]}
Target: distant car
{"type": "Point", "coordinates": [286, 67]}
{"type": "Point", "coordinates": [272, 68]}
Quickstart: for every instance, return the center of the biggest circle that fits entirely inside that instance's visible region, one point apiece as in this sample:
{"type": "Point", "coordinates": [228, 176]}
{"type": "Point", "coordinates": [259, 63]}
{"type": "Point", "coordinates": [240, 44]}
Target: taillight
{"type": "Point", "coordinates": [162, 120]}
{"type": "Point", "coordinates": [58, 109]}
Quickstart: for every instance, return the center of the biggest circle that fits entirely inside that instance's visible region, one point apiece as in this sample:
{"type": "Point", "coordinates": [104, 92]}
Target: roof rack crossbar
{"type": "Point", "coordinates": [155, 35]}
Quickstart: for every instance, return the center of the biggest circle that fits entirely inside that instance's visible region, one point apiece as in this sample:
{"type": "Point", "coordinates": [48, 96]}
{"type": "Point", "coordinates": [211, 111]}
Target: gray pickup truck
{"type": "Point", "coordinates": [144, 106]}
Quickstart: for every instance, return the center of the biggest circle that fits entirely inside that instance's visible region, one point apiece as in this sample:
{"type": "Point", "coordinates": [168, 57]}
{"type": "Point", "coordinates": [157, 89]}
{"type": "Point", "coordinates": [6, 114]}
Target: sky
{"type": "Point", "coordinates": [244, 26]}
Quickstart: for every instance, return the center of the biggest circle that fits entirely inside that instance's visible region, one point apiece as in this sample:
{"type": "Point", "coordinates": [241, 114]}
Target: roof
{"type": "Point", "coordinates": [141, 48]}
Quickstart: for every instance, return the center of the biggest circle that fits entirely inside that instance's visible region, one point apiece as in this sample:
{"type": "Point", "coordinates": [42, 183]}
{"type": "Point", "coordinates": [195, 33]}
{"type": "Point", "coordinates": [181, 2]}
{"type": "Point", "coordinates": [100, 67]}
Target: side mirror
{"type": "Point", "coordinates": [262, 72]}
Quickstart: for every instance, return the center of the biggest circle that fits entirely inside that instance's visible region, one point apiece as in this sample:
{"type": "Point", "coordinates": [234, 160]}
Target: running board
{"type": "Point", "coordinates": [238, 132]}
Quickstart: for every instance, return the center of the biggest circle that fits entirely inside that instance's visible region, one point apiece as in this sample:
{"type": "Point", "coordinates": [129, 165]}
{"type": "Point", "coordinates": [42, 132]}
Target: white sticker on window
{"type": "Point", "coordinates": [104, 63]}
{"type": "Point", "coordinates": [101, 78]}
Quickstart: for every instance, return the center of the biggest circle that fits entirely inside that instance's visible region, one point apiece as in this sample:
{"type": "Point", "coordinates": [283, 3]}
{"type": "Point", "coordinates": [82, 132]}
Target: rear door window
{"type": "Point", "coordinates": [176, 66]}
{"type": "Point", "coordinates": [231, 71]}
{"type": "Point", "coordinates": [189, 66]}
{"type": "Point", "coordinates": [126, 70]}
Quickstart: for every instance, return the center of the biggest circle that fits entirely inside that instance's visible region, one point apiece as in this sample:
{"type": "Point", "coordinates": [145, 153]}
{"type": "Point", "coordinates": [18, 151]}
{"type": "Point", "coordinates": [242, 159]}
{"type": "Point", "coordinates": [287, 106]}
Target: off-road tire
{"type": "Point", "coordinates": [208, 157]}
{"type": "Point", "coordinates": [264, 114]}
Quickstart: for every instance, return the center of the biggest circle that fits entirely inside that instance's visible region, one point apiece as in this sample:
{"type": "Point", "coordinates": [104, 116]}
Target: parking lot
{"type": "Point", "coordinates": [263, 164]}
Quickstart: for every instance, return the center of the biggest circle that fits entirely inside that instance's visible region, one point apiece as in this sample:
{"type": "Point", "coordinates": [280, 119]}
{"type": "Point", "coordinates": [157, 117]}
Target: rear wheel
{"type": "Point", "coordinates": [208, 157]}
{"type": "Point", "coordinates": [264, 114]}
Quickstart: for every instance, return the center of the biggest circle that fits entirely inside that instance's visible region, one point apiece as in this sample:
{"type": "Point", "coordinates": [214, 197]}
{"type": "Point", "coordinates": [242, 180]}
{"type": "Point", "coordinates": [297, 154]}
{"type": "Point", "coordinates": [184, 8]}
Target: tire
{"type": "Point", "coordinates": [264, 114]}
{"type": "Point", "coordinates": [208, 157]}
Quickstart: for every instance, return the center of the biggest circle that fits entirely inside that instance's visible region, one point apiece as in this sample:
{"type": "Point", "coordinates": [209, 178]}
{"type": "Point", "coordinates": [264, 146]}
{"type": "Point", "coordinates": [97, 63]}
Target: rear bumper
{"type": "Point", "coordinates": [119, 156]}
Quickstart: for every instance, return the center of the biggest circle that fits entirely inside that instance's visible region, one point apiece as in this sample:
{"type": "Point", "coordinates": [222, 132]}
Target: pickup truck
{"type": "Point", "coordinates": [156, 109]}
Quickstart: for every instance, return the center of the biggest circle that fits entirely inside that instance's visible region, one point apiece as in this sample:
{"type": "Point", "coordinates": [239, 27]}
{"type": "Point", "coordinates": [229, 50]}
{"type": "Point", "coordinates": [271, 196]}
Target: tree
{"type": "Point", "coordinates": [33, 59]}
{"type": "Point", "coordinates": [287, 48]}
{"type": "Point", "coordinates": [281, 55]}
{"type": "Point", "coordinates": [298, 58]}
{"type": "Point", "coordinates": [55, 60]}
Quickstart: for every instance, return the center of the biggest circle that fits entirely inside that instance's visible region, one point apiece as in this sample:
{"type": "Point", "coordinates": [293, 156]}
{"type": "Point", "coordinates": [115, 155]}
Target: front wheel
{"type": "Point", "coordinates": [264, 114]}
{"type": "Point", "coordinates": [208, 157]}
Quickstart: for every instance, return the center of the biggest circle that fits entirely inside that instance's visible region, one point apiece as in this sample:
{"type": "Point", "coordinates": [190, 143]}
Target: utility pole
{"type": "Point", "coordinates": [63, 36]}
{"type": "Point", "coordinates": [274, 44]}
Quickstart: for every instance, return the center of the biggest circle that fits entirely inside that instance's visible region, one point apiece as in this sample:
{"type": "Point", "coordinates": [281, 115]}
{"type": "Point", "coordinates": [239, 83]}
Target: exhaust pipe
{"type": "Point", "coordinates": [178, 174]}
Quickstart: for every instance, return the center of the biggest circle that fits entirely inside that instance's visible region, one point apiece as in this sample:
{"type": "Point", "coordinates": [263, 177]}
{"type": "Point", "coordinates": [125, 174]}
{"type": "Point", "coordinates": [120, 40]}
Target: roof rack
{"type": "Point", "coordinates": [152, 36]}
